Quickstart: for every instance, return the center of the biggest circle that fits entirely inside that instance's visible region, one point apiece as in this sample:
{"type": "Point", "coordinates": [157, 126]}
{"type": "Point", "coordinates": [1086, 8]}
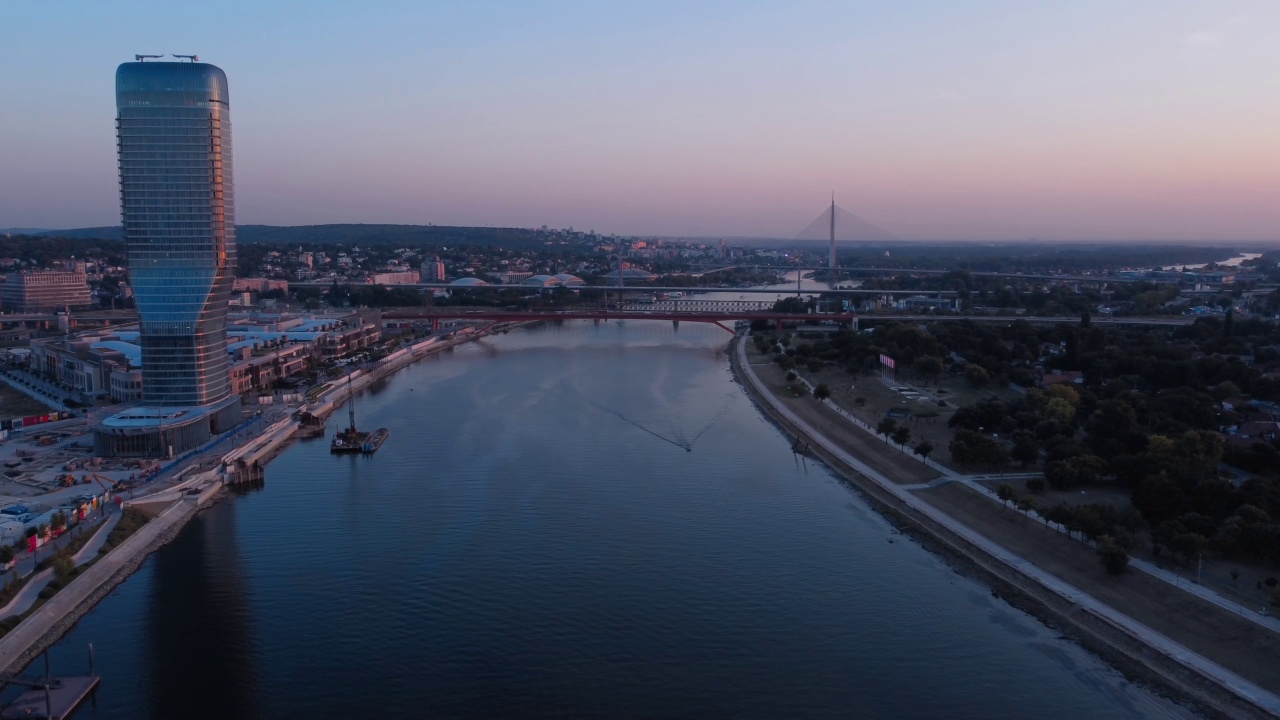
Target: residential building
{"type": "Point", "coordinates": [433, 270]}
{"type": "Point", "coordinates": [406, 277]}
{"type": "Point", "coordinates": [357, 332]}
{"type": "Point", "coordinates": [44, 291]}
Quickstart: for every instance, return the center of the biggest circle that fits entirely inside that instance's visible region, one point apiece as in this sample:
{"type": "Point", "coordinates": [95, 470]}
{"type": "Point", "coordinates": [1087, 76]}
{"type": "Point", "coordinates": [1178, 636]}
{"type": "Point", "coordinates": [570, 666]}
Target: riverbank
{"type": "Point", "coordinates": [52, 620]}
{"type": "Point", "coordinates": [1137, 650]}
{"type": "Point", "coordinates": [181, 502]}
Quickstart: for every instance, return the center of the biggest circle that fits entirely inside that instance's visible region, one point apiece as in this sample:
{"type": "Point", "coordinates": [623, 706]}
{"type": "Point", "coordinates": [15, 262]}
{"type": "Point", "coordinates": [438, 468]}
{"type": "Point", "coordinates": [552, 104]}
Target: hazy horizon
{"type": "Point", "coordinates": [993, 121]}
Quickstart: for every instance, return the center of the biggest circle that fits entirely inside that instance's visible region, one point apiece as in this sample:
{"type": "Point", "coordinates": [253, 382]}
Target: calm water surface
{"type": "Point", "coordinates": [534, 540]}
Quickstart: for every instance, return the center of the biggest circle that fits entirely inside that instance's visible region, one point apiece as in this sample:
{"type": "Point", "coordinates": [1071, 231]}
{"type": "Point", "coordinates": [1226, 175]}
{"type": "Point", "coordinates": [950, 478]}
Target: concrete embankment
{"type": "Point", "coordinates": [1135, 649]}
{"type": "Point", "coordinates": [43, 627]}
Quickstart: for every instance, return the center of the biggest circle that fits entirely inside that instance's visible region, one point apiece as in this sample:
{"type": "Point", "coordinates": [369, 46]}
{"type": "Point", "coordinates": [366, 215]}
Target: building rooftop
{"type": "Point", "coordinates": [131, 351]}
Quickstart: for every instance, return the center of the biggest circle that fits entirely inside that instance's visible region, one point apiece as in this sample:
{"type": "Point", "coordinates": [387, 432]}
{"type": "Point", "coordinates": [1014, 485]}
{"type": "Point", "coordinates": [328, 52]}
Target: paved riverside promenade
{"type": "Point", "coordinates": [15, 646]}
{"type": "Point", "coordinates": [27, 596]}
{"type": "Point", "coordinates": [1184, 656]}
{"type": "Point", "coordinates": [1270, 622]}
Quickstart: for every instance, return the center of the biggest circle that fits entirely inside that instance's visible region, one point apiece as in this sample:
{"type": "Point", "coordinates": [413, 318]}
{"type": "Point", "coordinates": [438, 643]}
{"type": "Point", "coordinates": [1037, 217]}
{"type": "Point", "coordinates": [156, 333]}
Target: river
{"type": "Point", "coordinates": [571, 519]}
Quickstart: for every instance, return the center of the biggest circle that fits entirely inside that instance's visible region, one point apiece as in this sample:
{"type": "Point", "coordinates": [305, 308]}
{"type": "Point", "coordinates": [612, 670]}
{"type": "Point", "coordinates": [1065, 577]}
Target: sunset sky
{"type": "Point", "coordinates": [935, 120]}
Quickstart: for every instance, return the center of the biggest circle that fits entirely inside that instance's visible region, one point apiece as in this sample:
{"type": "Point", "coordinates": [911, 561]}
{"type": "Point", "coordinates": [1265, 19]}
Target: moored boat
{"type": "Point", "coordinates": [375, 440]}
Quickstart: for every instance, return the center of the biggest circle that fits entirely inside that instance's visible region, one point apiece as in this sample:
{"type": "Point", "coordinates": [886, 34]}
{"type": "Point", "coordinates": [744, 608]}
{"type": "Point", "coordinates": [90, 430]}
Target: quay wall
{"type": "Point", "coordinates": [53, 619]}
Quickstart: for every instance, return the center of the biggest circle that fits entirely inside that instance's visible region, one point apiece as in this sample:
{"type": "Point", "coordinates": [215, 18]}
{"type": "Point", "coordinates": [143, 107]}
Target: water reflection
{"type": "Point", "coordinates": [203, 662]}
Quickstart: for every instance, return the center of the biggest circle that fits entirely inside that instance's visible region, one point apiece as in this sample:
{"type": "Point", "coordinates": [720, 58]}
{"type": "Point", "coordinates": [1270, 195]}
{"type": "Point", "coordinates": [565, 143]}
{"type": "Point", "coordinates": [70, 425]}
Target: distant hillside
{"type": "Point", "coordinates": [347, 234]}
{"type": "Point", "coordinates": [42, 250]}
{"type": "Point", "coordinates": [114, 232]}
{"type": "Point", "coordinates": [22, 231]}
{"type": "Point", "coordinates": [387, 234]}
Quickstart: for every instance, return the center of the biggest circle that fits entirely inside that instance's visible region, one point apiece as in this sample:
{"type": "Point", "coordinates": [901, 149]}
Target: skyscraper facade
{"type": "Point", "coordinates": [173, 129]}
{"type": "Point", "coordinates": [173, 138]}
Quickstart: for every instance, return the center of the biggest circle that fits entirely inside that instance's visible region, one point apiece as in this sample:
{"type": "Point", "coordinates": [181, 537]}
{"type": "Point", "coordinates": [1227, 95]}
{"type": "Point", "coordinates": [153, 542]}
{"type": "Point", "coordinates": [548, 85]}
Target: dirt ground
{"type": "Point", "coordinates": [15, 404]}
{"type": "Point", "coordinates": [1229, 640]}
{"type": "Point", "coordinates": [893, 464]}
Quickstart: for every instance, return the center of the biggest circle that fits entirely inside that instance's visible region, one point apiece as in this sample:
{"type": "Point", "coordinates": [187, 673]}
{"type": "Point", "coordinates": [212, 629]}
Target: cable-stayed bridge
{"type": "Point", "coordinates": [835, 223]}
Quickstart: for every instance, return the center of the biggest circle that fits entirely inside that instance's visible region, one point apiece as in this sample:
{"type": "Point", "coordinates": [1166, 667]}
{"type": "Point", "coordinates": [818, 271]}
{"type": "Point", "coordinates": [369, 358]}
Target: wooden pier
{"type": "Point", "coordinates": [60, 698]}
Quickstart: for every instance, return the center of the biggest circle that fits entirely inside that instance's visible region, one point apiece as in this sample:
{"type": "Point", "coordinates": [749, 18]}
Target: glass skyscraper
{"type": "Point", "coordinates": [173, 130]}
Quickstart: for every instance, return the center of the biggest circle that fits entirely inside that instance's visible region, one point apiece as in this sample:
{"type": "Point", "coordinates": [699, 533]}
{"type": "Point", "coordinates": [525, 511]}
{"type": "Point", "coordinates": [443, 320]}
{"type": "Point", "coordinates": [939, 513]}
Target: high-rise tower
{"type": "Point", "coordinates": [173, 140]}
{"type": "Point", "coordinates": [173, 130]}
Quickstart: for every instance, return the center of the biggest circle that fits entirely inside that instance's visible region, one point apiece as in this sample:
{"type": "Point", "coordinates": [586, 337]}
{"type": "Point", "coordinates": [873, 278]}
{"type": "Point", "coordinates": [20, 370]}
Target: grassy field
{"type": "Point", "coordinates": [1225, 638]}
{"type": "Point", "coordinates": [887, 460]}
{"type": "Point", "coordinates": [926, 419]}
{"type": "Point", "coordinates": [15, 404]}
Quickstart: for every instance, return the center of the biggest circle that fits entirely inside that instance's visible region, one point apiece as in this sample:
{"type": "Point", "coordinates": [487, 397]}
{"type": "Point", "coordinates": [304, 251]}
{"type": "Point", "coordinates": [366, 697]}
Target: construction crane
{"type": "Point", "coordinates": [103, 481]}
{"type": "Point", "coordinates": [144, 58]}
{"type": "Point", "coordinates": [192, 58]}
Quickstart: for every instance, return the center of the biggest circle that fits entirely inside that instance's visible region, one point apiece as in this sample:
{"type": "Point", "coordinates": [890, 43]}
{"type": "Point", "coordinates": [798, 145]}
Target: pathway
{"type": "Point", "coordinates": [31, 591]}
{"type": "Point", "coordinates": [18, 640]}
{"type": "Point", "coordinates": [1180, 653]}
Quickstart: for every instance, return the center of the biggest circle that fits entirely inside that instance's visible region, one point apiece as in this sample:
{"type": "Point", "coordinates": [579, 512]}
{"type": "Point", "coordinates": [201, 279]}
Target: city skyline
{"type": "Point", "coordinates": [995, 121]}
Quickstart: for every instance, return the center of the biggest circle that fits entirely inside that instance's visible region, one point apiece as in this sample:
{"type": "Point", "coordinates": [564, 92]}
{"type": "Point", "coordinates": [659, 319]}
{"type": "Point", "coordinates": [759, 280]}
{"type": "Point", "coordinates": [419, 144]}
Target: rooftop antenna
{"type": "Point", "coordinates": [144, 58]}
{"type": "Point", "coordinates": [192, 58]}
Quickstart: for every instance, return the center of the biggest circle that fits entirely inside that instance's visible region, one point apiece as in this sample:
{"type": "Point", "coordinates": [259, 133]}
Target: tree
{"type": "Point", "coordinates": [924, 448]}
{"type": "Point", "coordinates": [1006, 493]}
{"type": "Point", "coordinates": [789, 305]}
{"type": "Point", "coordinates": [1060, 410]}
{"type": "Point", "coordinates": [886, 427]}
{"type": "Point", "coordinates": [63, 565]}
{"type": "Point", "coordinates": [1026, 504]}
{"type": "Point", "coordinates": [1026, 447]}
{"type": "Point", "coordinates": [821, 391]}
{"type": "Point", "coordinates": [59, 520]}
{"type": "Point", "coordinates": [902, 436]}
{"type": "Point", "coordinates": [976, 375]}
{"type": "Point", "coordinates": [6, 554]}
{"type": "Point", "coordinates": [1113, 430]}
{"type": "Point", "coordinates": [972, 447]}
{"type": "Point", "coordinates": [928, 367]}
{"type": "Point", "coordinates": [1076, 471]}
{"type": "Point", "coordinates": [1114, 557]}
